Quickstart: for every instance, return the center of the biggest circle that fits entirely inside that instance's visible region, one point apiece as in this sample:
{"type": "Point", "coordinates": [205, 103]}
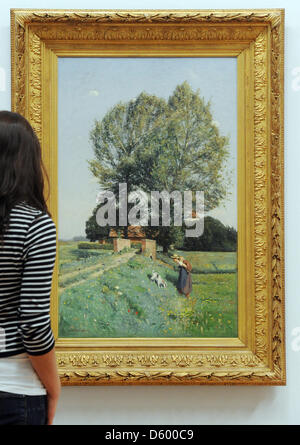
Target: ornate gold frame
{"type": "Point", "coordinates": [255, 37]}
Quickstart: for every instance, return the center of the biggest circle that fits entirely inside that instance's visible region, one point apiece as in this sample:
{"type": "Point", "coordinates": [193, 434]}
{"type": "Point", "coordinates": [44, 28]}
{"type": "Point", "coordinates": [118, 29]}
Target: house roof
{"type": "Point", "coordinates": [133, 232]}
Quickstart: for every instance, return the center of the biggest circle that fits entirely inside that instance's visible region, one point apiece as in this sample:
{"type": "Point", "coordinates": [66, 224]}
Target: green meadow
{"type": "Point", "coordinates": [107, 294]}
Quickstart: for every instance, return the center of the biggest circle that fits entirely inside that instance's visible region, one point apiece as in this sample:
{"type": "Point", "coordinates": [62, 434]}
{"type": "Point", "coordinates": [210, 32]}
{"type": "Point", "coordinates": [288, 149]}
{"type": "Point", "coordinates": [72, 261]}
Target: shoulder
{"type": "Point", "coordinates": [25, 213]}
{"type": "Point", "coordinates": [33, 219]}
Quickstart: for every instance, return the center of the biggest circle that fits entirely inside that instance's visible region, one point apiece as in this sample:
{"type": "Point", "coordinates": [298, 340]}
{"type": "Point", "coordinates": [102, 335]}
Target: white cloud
{"type": "Point", "coordinates": [94, 93]}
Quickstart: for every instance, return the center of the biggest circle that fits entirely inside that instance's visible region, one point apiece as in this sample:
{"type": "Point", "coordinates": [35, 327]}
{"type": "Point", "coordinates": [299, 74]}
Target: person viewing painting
{"type": "Point", "coordinates": [29, 381]}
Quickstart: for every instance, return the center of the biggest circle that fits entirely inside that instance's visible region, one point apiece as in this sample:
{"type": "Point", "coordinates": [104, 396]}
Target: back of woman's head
{"type": "Point", "coordinates": [21, 174]}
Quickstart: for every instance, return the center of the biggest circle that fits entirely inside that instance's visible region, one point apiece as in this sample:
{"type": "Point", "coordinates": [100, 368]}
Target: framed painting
{"type": "Point", "coordinates": [162, 136]}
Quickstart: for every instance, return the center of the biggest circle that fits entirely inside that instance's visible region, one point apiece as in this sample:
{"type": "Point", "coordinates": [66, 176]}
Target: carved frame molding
{"type": "Point", "coordinates": [258, 34]}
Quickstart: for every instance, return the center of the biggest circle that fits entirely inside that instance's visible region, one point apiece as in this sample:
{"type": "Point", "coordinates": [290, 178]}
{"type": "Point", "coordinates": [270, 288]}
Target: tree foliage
{"type": "Point", "coordinates": [153, 144]}
{"type": "Point", "coordinates": [93, 231]}
{"type": "Point", "coordinates": [120, 142]}
{"type": "Point", "coordinates": [216, 237]}
{"type": "Point", "coordinates": [193, 154]}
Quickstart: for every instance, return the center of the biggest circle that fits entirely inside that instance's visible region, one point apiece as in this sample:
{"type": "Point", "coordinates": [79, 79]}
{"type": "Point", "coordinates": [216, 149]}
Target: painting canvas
{"type": "Point", "coordinates": [147, 125]}
{"type": "Point", "coordinates": [162, 136]}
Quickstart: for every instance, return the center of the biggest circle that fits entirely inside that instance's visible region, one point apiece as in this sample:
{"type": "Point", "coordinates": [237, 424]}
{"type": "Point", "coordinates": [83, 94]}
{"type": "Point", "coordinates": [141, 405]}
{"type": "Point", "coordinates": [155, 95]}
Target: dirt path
{"type": "Point", "coordinates": [120, 259]}
{"type": "Point", "coordinates": [80, 270]}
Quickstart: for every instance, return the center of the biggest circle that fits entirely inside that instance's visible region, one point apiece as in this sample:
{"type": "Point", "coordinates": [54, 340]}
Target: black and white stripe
{"type": "Point", "coordinates": [27, 259]}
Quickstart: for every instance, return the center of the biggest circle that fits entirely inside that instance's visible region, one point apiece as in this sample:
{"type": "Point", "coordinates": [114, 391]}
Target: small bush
{"type": "Point", "coordinates": [81, 254]}
{"type": "Point", "coordinates": [108, 246]}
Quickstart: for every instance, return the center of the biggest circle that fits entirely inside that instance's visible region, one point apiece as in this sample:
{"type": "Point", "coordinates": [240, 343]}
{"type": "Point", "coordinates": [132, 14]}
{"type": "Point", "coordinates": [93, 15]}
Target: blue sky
{"type": "Point", "coordinates": [89, 87]}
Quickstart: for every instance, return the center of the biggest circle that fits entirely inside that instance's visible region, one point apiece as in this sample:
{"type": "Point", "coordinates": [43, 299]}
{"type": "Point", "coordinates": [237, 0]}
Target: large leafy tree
{"type": "Point", "coordinates": [127, 136]}
{"type": "Point", "coordinates": [192, 157]}
{"type": "Point", "coordinates": [151, 144]}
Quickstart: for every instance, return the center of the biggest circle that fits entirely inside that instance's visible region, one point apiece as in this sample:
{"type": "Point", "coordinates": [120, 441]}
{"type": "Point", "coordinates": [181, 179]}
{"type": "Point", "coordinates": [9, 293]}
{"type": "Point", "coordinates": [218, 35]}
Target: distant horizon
{"type": "Point", "coordinates": [86, 238]}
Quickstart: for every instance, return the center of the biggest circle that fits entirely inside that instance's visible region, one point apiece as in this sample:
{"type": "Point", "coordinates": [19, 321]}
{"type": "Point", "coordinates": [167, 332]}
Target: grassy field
{"type": "Point", "coordinates": [105, 294]}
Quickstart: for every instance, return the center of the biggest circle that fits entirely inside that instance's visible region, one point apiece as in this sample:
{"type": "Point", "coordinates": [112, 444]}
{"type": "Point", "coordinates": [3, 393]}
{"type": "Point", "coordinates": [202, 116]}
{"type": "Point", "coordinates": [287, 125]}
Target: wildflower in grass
{"type": "Point", "coordinates": [136, 313]}
{"type": "Point", "coordinates": [128, 310]}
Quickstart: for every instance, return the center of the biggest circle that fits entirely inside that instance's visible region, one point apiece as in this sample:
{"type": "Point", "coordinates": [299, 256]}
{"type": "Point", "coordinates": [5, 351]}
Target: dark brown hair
{"type": "Point", "coordinates": [21, 167]}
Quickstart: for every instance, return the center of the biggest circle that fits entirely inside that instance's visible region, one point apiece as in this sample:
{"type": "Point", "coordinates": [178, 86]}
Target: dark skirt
{"type": "Point", "coordinates": [184, 283]}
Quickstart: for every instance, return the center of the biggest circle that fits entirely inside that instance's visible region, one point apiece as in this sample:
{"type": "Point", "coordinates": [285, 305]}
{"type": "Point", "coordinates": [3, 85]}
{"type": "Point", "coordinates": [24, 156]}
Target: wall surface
{"type": "Point", "coordinates": [199, 405]}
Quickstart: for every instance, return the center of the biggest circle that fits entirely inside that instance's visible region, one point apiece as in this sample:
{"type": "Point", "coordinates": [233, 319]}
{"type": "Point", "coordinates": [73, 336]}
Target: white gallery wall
{"type": "Point", "coordinates": [195, 404]}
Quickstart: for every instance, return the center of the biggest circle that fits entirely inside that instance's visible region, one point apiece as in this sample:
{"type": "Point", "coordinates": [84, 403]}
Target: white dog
{"type": "Point", "coordinates": [158, 279]}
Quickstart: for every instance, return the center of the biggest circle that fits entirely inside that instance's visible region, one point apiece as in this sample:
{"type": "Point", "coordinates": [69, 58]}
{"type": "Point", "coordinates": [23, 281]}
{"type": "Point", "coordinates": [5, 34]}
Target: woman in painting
{"type": "Point", "coordinates": [184, 282]}
{"type": "Point", "coordinates": [29, 382]}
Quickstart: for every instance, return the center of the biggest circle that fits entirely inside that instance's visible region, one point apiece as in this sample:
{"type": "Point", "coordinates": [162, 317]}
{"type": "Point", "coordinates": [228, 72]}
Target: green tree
{"type": "Point", "coordinates": [194, 155]}
{"type": "Point", "coordinates": [126, 142]}
{"type": "Point", "coordinates": [126, 137]}
{"type": "Point", "coordinates": [216, 237]}
{"type": "Point", "coordinates": [168, 236]}
{"type": "Point", "coordinates": [93, 231]}
{"type": "Point", "coordinates": [151, 144]}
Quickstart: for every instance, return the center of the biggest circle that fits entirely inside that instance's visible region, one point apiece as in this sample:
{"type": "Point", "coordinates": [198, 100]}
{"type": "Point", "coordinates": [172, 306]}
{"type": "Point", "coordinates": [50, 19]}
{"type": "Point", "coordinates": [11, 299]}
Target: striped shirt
{"type": "Point", "coordinates": [27, 258]}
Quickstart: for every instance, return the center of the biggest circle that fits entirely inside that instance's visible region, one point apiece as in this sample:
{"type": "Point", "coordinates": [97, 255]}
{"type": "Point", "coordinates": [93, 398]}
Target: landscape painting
{"type": "Point", "coordinates": [147, 197]}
